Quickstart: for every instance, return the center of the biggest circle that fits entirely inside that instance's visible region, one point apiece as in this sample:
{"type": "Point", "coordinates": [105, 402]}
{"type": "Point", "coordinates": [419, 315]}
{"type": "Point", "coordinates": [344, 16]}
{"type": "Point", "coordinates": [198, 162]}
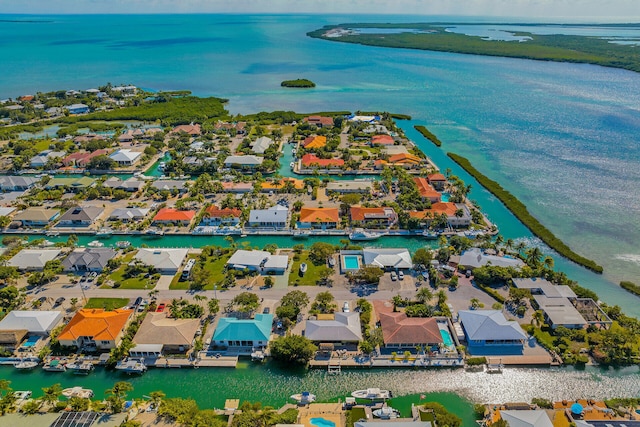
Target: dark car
{"type": "Point", "coordinates": [59, 301]}
{"type": "Point", "coordinates": [266, 310]}
{"type": "Point", "coordinates": [138, 301]}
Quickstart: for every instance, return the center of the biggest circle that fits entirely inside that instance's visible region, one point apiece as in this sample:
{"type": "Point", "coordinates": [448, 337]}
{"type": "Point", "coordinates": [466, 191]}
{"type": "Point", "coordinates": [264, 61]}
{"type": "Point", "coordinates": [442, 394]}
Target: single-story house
{"type": "Point", "coordinates": [354, 186]}
{"type": "Point", "coordinates": [388, 258]}
{"type": "Point", "coordinates": [214, 216]}
{"type": "Point", "coordinates": [10, 340]}
{"type": "Point", "coordinates": [382, 140]}
{"type": "Point", "coordinates": [260, 261]}
{"type": "Point", "coordinates": [173, 335]}
{"type": "Point", "coordinates": [132, 184]}
{"type": "Point", "coordinates": [274, 217]}
{"type": "Point", "coordinates": [125, 157]}
{"type": "Point", "coordinates": [406, 160]}
{"type": "Point", "coordinates": [237, 187]}
{"type": "Point", "coordinates": [192, 129]}
{"type": "Point", "coordinates": [128, 214]}
{"type": "Point", "coordinates": [400, 331]}
{"type": "Point", "coordinates": [244, 333]}
{"type": "Point", "coordinates": [560, 311]}
{"type": "Point", "coordinates": [426, 190]}
{"type": "Point", "coordinates": [95, 329]}
{"type": "Point", "coordinates": [392, 150]}
{"type": "Point", "coordinates": [6, 211]}
{"type": "Point", "coordinates": [319, 121]}
{"type": "Point", "coordinates": [166, 261]}
{"type": "Point", "coordinates": [77, 108]}
{"type": "Point", "coordinates": [249, 161]}
{"type": "Point", "coordinates": [322, 218]}
{"type": "Point", "coordinates": [88, 259]}
{"type": "Point", "coordinates": [540, 286]}
{"type": "Point", "coordinates": [82, 159]}
{"type": "Point", "coordinates": [74, 184]}
{"type": "Point", "coordinates": [526, 418]}
{"type": "Point", "coordinates": [170, 184]}
{"type": "Point", "coordinates": [314, 141]}
{"type": "Point", "coordinates": [238, 128]}
{"type": "Point", "coordinates": [174, 216]}
{"type": "Point", "coordinates": [372, 217]}
{"type": "Point", "coordinates": [311, 160]}
{"type": "Point", "coordinates": [283, 184]}
{"type": "Point", "coordinates": [17, 183]}
{"type": "Point", "coordinates": [488, 332]}
{"type": "Point", "coordinates": [36, 217]}
{"type": "Point", "coordinates": [260, 145]}
{"type": "Point", "coordinates": [33, 259]}
{"type": "Point", "coordinates": [34, 322]}
{"type": "Point", "coordinates": [437, 180]}
{"type": "Point", "coordinates": [475, 257]}
{"type": "Point", "coordinates": [80, 216]}
{"type": "Point", "coordinates": [341, 329]}
{"type": "Point", "coordinates": [41, 159]}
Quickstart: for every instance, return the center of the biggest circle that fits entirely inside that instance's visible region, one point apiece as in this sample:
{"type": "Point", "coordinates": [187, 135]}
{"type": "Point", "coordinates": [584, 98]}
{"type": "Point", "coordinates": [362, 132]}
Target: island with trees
{"type": "Point", "coordinates": [298, 83]}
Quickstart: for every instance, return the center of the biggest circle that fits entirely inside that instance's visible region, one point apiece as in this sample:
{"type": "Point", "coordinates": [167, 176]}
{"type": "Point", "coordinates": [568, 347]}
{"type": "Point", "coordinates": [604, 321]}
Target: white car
{"type": "Point", "coordinates": [400, 275]}
{"type": "Point", "coordinates": [394, 276]}
{"type": "Point", "coordinates": [345, 307]}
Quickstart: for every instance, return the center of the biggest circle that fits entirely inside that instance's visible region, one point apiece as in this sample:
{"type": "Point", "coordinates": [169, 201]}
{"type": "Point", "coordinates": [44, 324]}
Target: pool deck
{"type": "Point", "coordinates": [329, 411]}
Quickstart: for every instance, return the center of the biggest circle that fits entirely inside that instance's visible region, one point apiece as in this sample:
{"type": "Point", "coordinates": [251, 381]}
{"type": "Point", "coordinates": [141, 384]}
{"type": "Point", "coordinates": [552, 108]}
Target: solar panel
{"type": "Point", "coordinates": [75, 419]}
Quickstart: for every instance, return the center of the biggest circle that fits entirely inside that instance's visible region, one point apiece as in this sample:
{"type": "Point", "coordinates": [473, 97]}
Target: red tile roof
{"type": "Point", "coordinates": [447, 208]}
{"type": "Point", "coordinates": [324, 121]}
{"type": "Point", "coordinates": [312, 159]}
{"type": "Point", "coordinates": [382, 140]}
{"type": "Point", "coordinates": [426, 190]}
{"type": "Point", "coordinates": [359, 213]}
{"type": "Point", "coordinates": [315, 215]}
{"type": "Point", "coordinates": [407, 158]}
{"type": "Point", "coordinates": [170, 214]}
{"type": "Point", "coordinates": [190, 129]}
{"type": "Point", "coordinates": [81, 159]}
{"type": "Point", "coordinates": [436, 177]}
{"type": "Point", "coordinates": [397, 328]}
{"type": "Point", "coordinates": [314, 141]}
{"type": "Point", "coordinates": [214, 212]}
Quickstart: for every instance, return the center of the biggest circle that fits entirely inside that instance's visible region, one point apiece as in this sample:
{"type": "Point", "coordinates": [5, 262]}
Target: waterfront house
{"type": "Point", "coordinates": [282, 185]}
{"type": "Point", "coordinates": [88, 259]}
{"type": "Point", "coordinates": [77, 109]}
{"type": "Point", "coordinates": [400, 331]}
{"type": "Point", "coordinates": [260, 261]}
{"type": "Point", "coordinates": [74, 184]}
{"type": "Point", "coordinates": [363, 119]}
{"type": "Point", "coordinates": [214, 216]}
{"type": "Point", "coordinates": [540, 286]}
{"type": "Point", "coordinates": [350, 186]}
{"type": "Point", "coordinates": [130, 185]}
{"type": "Point", "coordinates": [249, 161]}
{"type": "Point", "coordinates": [126, 91]}
{"type": "Point", "coordinates": [237, 187]}
{"type": "Point", "coordinates": [6, 211]}
{"type": "Point", "coordinates": [128, 214]}
{"type": "Point", "coordinates": [164, 260]}
{"type": "Point", "coordinates": [319, 121]}
{"type": "Point", "coordinates": [405, 160]}
{"type": "Point", "coordinates": [273, 217]}
{"type": "Point", "coordinates": [312, 161]}
{"type": "Point", "coordinates": [126, 136]}
{"type": "Point", "coordinates": [82, 159]}
{"type": "Point", "coordinates": [238, 128]}
{"type": "Point", "coordinates": [475, 257]}
{"type": "Point", "coordinates": [191, 129]}
{"type": "Point", "coordinates": [489, 333]}
{"type": "Point", "coordinates": [427, 192]}
{"type": "Point", "coordinates": [526, 418]}
{"type": "Point", "coordinates": [320, 218]}
{"type": "Point", "coordinates": [95, 329]}
{"type": "Point", "coordinates": [559, 311]}
{"type": "Point", "coordinates": [314, 142]}
{"type": "Point", "coordinates": [388, 258]}
{"type": "Point", "coordinates": [80, 216]}
{"type": "Point", "coordinates": [458, 214]}
{"type": "Point", "coordinates": [10, 340]}
{"type": "Point", "coordinates": [380, 217]}
{"type": "Point", "coordinates": [33, 259]}
{"type": "Point", "coordinates": [339, 329]}
{"type": "Point", "coordinates": [171, 185]}
{"type": "Point", "coordinates": [17, 183]}
{"type": "Point", "coordinates": [382, 140]}
{"type": "Point", "coordinates": [170, 335]}
{"type": "Point", "coordinates": [243, 334]}
{"type": "Point", "coordinates": [36, 217]}
{"type": "Point", "coordinates": [44, 157]}
{"type": "Point", "coordinates": [166, 216]}
{"type": "Point", "coordinates": [38, 323]}
{"type": "Point", "coordinates": [126, 157]}
{"type": "Point", "coordinates": [260, 145]}
{"type": "Point", "coordinates": [437, 180]}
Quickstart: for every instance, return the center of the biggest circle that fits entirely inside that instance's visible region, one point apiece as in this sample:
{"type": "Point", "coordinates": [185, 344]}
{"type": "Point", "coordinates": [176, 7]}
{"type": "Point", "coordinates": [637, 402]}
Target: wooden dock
{"type": "Point", "coordinates": [207, 362]}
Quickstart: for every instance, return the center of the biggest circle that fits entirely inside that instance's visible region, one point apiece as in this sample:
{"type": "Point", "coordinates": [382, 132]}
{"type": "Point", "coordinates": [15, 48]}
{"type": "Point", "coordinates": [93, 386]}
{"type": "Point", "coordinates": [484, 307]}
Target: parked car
{"type": "Point", "coordinates": [161, 307]}
{"type": "Point", "coordinates": [400, 275]}
{"type": "Point", "coordinates": [394, 276]}
{"type": "Point", "coordinates": [138, 301]}
{"type": "Point", "coordinates": [266, 310]}
{"type": "Point", "coordinates": [345, 307]}
{"type": "Point", "coordinates": [142, 306]}
{"type": "Point", "coordinates": [59, 301]}
{"type": "Point", "coordinates": [467, 274]}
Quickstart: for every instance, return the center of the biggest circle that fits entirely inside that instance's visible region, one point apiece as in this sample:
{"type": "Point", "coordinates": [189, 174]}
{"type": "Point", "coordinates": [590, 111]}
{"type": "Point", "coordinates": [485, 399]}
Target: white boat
{"type": "Point", "coordinates": [132, 366]}
{"type": "Point", "coordinates": [26, 364]}
{"type": "Point", "coordinates": [258, 356]}
{"type": "Point", "coordinates": [104, 232]}
{"type": "Point", "coordinates": [54, 365]}
{"type": "Point", "coordinates": [22, 395]}
{"type": "Point", "coordinates": [95, 244]}
{"type": "Point", "coordinates": [52, 233]}
{"type": "Point", "coordinates": [123, 244]}
{"type": "Point", "coordinates": [292, 165]}
{"type": "Point", "coordinates": [80, 367]}
{"type": "Point", "coordinates": [47, 243]}
{"type": "Point", "coordinates": [161, 166]}
{"type": "Point", "coordinates": [303, 268]}
{"type": "Point", "coordinates": [304, 398]}
{"type": "Point", "coordinates": [154, 232]}
{"type": "Point", "coordinates": [429, 234]}
{"type": "Point", "coordinates": [77, 391]}
{"type": "Point", "coordinates": [386, 413]}
{"type": "Point", "coordinates": [301, 234]}
{"type": "Point", "coordinates": [372, 394]}
{"type": "Point", "coordinates": [360, 234]}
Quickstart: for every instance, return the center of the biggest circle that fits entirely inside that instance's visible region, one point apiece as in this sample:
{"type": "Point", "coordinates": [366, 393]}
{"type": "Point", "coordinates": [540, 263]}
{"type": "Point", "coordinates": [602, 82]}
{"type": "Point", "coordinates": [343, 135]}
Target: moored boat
{"type": "Point", "coordinates": [386, 413]}
{"type": "Point", "coordinates": [303, 268]}
{"type": "Point", "coordinates": [26, 364]}
{"type": "Point", "coordinates": [304, 398]}
{"type": "Point", "coordinates": [77, 391]}
{"type": "Point", "coordinates": [153, 232]}
{"type": "Point", "coordinates": [258, 356]}
{"type": "Point", "coordinates": [54, 365]}
{"type": "Point", "coordinates": [22, 395]}
{"type": "Point", "coordinates": [428, 234]}
{"type": "Point", "coordinates": [301, 234]}
{"type": "Point", "coordinates": [80, 367]}
{"type": "Point", "coordinates": [131, 366]}
{"type": "Point", "coordinates": [372, 394]}
{"type": "Point", "coordinates": [122, 244]}
{"type": "Point", "coordinates": [95, 244]}
{"type": "Point", "coordinates": [52, 233]}
{"type": "Point", "coordinates": [362, 235]}
{"type": "Point", "coordinates": [104, 233]}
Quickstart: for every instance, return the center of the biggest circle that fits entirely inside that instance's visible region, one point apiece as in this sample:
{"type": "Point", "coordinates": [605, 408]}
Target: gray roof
{"type": "Point", "coordinates": [482, 325]}
{"type": "Point", "coordinates": [129, 213]}
{"type": "Point", "coordinates": [125, 155]}
{"type": "Point", "coordinates": [260, 145]}
{"type": "Point", "coordinates": [276, 262]}
{"type": "Point", "coordinates": [89, 258]}
{"type": "Point", "coordinates": [243, 160]}
{"type": "Point", "coordinates": [4, 211]}
{"type": "Point", "coordinates": [129, 184]}
{"type": "Point", "coordinates": [36, 322]}
{"type": "Point", "coordinates": [547, 288]}
{"type": "Point", "coordinates": [248, 258]}
{"type": "Point", "coordinates": [277, 213]}
{"type": "Point", "coordinates": [361, 185]}
{"type": "Point", "coordinates": [157, 328]}
{"type": "Point", "coordinates": [33, 258]}
{"type": "Point", "coordinates": [474, 258]}
{"type": "Point", "coordinates": [522, 418]}
{"type": "Point", "coordinates": [344, 327]}
{"type": "Point", "coordinates": [17, 181]}
{"type": "Point", "coordinates": [392, 423]}
{"type": "Point", "coordinates": [560, 311]}
{"type": "Point", "coordinates": [86, 213]}
{"type": "Point", "coordinates": [169, 184]}
{"type": "Point", "coordinates": [162, 259]}
{"type": "Point", "coordinates": [36, 214]}
{"type": "Point", "coordinates": [387, 257]}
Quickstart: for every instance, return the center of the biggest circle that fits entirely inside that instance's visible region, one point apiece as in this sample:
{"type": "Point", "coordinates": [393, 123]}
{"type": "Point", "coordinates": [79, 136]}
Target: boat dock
{"type": "Point", "coordinates": [202, 361]}
{"type": "Point", "coordinates": [335, 365]}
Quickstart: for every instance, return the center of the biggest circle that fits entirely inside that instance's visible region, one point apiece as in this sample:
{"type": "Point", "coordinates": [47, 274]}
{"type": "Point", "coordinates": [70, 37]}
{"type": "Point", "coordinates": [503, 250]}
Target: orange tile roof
{"type": "Point", "coordinates": [170, 214]}
{"type": "Point", "coordinates": [436, 177]}
{"type": "Point", "coordinates": [237, 186]}
{"type": "Point", "coordinates": [407, 158]}
{"type": "Point", "coordinates": [447, 208]}
{"type": "Point", "coordinates": [97, 323]}
{"type": "Point", "coordinates": [382, 140]}
{"type": "Point", "coordinates": [328, 121]}
{"type": "Point", "coordinates": [312, 159]}
{"type": "Point", "coordinates": [314, 141]}
{"type": "Point", "coordinates": [359, 213]}
{"type": "Point", "coordinates": [425, 189]}
{"type": "Point", "coordinates": [190, 129]}
{"type": "Point", "coordinates": [298, 184]}
{"type": "Point", "coordinates": [215, 212]}
{"type": "Point", "coordinates": [319, 215]}
{"type": "Point", "coordinates": [397, 328]}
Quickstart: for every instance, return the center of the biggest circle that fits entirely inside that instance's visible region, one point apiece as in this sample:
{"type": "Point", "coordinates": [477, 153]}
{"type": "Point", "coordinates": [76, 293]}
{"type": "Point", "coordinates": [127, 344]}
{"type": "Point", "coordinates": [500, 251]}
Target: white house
{"type": "Point", "coordinates": [260, 145]}
{"type": "Point", "coordinates": [260, 261]}
{"type": "Point", "coordinates": [249, 161]}
{"type": "Point", "coordinates": [388, 258]}
{"type": "Point", "coordinates": [274, 217]}
{"type": "Point", "coordinates": [33, 259]}
{"type": "Point", "coordinates": [125, 157]}
{"type": "Point", "coordinates": [166, 261]}
{"type": "Point", "coordinates": [35, 322]}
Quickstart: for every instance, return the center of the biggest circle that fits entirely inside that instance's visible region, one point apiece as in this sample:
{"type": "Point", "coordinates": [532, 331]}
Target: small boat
{"type": "Point", "coordinates": [428, 234]}
{"type": "Point", "coordinates": [54, 365]}
{"type": "Point", "coordinates": [372, 394]}
{"type": "Point", "coordinates": [104, 233]}
{"type": "Point", "coordinates": [332, 262]}
{"type": "Point", "coordinates": [304, 398]}
{"type": "Point", "coordinates": [123, 244]}
{"type": "Point", "coordinates": [301, 234]}
{"type": "Point", "coordinates": [386, 413]}
{"type": "Point", "coordinates": [131, 366]}
{"type": "Point", "coordinates": [153, 232]}
{"type": "Point", "coordinates": [77, 391]}
{"type": "Point", "coordinates": [258, 356]}
{"type": "Point", "coordinates": [52, 233]}
{"type": "Point", "coordinates": [95, 244]}
{"type": "Point", "coordinates": [303, 268]}
{"type": "Point", "coordinates": [360, 234]}
{"type": "Point", "coordinates": [22, 395]}
{"type": "Point", "coordinates": [162, 166]}
{"type": "Point", "coordinates": [292, 165]}
{"type": "Point", "coordinates": [26, 365]}
{"type": "Point", "coordinates": [47, 243]}
{"type": "Point", "coordinates": [80, 367]}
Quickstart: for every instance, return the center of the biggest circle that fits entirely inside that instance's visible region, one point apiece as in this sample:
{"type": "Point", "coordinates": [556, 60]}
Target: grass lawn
{"type": "Point", "coordinates": [107, 303]}
{"type": "Point", "coordinates": [312, 275]}
{"type": "Point", "coordinates": [214, 268]}
{"type": "Point", "coordinates": [137, 282]}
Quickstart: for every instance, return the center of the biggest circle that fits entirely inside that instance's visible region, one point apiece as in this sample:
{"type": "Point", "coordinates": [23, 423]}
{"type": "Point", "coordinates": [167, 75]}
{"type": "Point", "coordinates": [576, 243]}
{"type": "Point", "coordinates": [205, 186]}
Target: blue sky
{"type": "Point", "coordinates": [569, 10]}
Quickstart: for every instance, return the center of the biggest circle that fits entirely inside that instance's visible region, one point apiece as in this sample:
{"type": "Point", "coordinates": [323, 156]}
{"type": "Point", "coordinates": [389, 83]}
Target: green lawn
{"type": "Point", "coordinates": [137, 282]}
{"type": "Point", "coordinates": [215, 268]}
{"type": "Point", "coordinates": [310, 278]}
{"type": "Point", "coordinates": [107, 303]}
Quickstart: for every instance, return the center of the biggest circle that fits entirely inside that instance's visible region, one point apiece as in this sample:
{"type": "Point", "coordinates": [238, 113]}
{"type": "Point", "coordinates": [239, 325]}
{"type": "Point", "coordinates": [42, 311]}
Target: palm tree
{"type": "Point", "coordinates": [117, 395]}
{"type": "Point", "coordinates": [156, 398]}
{"type": "Point", "coordinates": [51, 394]}
{"type": "Point", "coordinates": [424, 295]}
{"type": "Point", "coordinates": [548, 262]}
{"type": "Point", "coordinates": [200, 298]}
{"type": "Point", "coordinates": [533, 257]}
{"type": "Point", "coordinates": [442, 297]}
{"type": "Point", "coordinates": [520, 246]}
{"type": "Point", "coordinates": [499, 240]}
{"type": "Point", "coordinates": [508, 245]}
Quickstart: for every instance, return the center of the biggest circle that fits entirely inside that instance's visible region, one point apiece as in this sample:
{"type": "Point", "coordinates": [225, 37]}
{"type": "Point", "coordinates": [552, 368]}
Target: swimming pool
{"type": "Point", "coordinates": [445, 197]}
{"type": "Point", "coordinates": [351, 262]}
{"type": "Point", "coordinates": [30, 342]}
{"type": "Point", "coordinates": [321, 422]}
{"type": "Point", "coordinates": [446, 337]}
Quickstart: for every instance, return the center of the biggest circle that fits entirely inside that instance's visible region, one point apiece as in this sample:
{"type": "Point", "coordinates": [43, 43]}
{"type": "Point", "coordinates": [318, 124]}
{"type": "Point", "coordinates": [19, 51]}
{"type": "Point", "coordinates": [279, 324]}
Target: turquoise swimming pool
{"type": "Point", "coordinates": [445, 197]}
{"type": "Point", "coordinates": [321, 422]}
{"type": "Point", "coordinates": [351, 262]}
{"type": "Point", "coordinates": [30, 342]}
{"type": "Point", "coordinates": [446, 338]}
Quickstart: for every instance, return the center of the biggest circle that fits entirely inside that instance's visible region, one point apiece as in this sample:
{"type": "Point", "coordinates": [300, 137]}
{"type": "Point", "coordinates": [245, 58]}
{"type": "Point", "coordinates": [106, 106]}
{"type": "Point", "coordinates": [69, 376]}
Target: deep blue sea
{"type": "Point", "coordinates": [562, 137]}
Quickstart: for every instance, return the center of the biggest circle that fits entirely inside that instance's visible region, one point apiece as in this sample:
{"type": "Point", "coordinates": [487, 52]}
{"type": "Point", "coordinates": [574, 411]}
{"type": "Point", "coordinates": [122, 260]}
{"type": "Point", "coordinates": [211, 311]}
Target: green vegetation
{"type": "Point", "coordinates": [630, 287]}
{"type": "Point", "coordinates": [298, 83]}
{"type": "Point", "coordinates": [254, 415]}
{"type": "Point", "coordinates": [107, 303]}
{"type": "Point", "coordinates": [185, 412]}
{"type": "Point", "coordinates": [427, 134]}
{"type": "Point", "coordinates": [133, 275]}
{"type": "Point", "coordinates": [208, 271]}
{"type": "Point", "coordinates": [316, 271]}
{"type": "Point", "coordinates": [442, 416]}
{"type": "Point", "coordinates": [292, 349]}
{"type": "Point", "coordinates": [521, 212]}
{"type": "Point", "coordinates": [475, 361]}
{"type": "Point", "coordinates": [556, 47]}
